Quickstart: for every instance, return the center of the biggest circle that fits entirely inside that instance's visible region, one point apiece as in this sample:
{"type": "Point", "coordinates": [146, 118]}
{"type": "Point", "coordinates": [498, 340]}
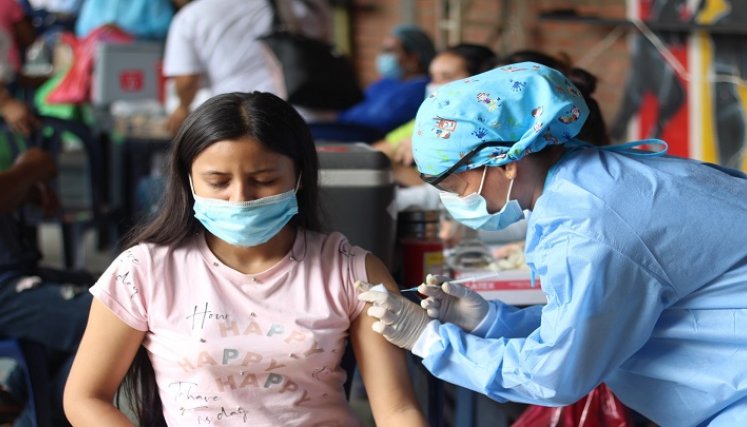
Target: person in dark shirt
{"type": "Point", "coordinates": [35, 307]}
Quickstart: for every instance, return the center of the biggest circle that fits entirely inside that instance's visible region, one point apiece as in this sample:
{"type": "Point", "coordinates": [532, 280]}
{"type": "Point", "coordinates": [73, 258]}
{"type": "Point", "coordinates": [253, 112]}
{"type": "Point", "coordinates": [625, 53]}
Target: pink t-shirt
{"type": "Point", "coordinates": [230, 348]}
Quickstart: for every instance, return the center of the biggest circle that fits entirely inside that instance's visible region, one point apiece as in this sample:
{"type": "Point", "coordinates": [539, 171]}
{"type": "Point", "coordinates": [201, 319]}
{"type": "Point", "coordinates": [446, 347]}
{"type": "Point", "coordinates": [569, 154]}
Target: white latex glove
{"type": "Point", "coordinates": [398, 319]}
{"type": "Point", "coordinates": [452, 303]}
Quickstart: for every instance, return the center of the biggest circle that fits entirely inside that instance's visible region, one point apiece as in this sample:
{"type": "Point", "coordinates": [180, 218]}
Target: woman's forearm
{"type": "Point", "coordinates": [95, 412]}
{"type": "Point", "coordinates": [403, 416]}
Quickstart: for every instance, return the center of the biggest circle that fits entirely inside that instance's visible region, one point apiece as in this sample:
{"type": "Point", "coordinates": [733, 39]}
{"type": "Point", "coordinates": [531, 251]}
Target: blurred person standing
{"type": "Point", "coordinates": [212, 48]}
{"type": "Point", "coordinates": [391, 101]}
{"type": "Point", "coordinates": [35, 307]}
{"type": "Point", "coordinates": [16, 33]}
{"type": "Point", "coordinates": [453, 63]}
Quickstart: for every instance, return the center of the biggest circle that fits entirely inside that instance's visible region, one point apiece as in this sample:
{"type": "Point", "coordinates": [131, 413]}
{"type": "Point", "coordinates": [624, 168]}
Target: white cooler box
{"type": "Point", "coordinates": [127, 72]}
{"type": "Point", "coordinates": [357, 196]}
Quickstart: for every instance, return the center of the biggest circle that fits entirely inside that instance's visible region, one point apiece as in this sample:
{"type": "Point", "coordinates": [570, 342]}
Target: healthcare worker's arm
{"type": "Point", "coordinates": [383, 367]}
{"type": "Point", "coordinates": [502, 320]}
{"type": "Point", "coordinates": [458, 304]}
{"type": "Point", "coordinates": [505, 320]}
{"type": "Point", "coordinates": [602, 306]}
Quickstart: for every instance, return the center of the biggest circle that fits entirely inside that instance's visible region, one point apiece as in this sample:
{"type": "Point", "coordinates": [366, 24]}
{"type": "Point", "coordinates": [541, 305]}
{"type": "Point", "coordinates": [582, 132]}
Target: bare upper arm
{"type": "Point", "coordinates": [105, 354]}
{"type": "Point", "coordinates": [382, 365]}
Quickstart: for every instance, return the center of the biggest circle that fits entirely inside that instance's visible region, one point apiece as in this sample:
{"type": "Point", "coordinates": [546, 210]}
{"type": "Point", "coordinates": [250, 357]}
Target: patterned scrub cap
{"type": "Point", "coordinates": [529, 103]}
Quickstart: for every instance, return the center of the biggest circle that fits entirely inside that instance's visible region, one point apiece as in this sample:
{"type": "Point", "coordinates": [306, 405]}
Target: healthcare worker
{"type": "Point", "coordinates": [642, 259]}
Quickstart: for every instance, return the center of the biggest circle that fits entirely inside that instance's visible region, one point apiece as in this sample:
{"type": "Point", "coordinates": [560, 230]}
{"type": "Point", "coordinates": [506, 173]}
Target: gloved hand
{"type": "Point", "coordinates": [452, 303]}
{"type": "Point", "coordinates": [399, 320]}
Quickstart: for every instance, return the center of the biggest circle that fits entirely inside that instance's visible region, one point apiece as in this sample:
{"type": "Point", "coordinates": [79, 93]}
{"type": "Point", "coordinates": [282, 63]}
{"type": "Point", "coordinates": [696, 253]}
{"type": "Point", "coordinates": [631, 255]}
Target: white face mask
{"type": "Point", "coordinates": [472, 210]}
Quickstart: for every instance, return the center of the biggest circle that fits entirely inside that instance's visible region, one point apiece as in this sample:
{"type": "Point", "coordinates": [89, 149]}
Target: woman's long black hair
{"type": "Point", "coordinates": [232, 116]}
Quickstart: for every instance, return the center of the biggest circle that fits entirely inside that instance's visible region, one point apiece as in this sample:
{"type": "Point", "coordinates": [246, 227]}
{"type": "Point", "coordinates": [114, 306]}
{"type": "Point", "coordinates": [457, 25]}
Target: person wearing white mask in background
{"type": "Point", "coordinates": [453, 63]}
{"type": "Point", "coordinates": [457, 62]}
{"type": "Point", "coordinates": [641, 257]}
{"type": "Point", "coordinates": [394, 99]}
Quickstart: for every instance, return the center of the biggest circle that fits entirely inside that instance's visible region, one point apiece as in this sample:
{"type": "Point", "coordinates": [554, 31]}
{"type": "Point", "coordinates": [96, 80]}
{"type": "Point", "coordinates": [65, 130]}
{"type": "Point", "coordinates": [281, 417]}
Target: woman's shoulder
{"type": "Point", "coordinates": [324, 238]}
{"type": "Point", "coordinates": [156, 252]}
{"type": "Point", "coordinates": [328, 243]}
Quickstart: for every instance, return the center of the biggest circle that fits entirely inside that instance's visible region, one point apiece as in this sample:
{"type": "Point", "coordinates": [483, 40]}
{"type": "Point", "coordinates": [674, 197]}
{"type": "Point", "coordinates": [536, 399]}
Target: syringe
{"type": "Point", "coordinates": [468, 279]}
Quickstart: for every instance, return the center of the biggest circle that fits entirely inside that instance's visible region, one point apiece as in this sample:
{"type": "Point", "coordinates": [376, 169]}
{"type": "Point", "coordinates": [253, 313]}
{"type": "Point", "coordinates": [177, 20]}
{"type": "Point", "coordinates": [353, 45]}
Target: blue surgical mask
{"type": "Point", "coordinates": [472, 210]}
{"type": "Point", "coordinates": [248, 223]}
{"type": "Point", "coordinates": [388, 66]}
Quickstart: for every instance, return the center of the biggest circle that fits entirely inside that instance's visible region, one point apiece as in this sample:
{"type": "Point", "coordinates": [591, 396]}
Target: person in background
{"type": "Point", "coordinates": [453, 63]}
{"type": "Point", "coordinates": [143, 19]}
{"type": "Point", "coordinates": [212, 48]}
{"type": "Point", "coordinates": [15, 113]}
{"type": "Point", "coordinates": [35, 307]}
{"type": "Point", "coordinates": [16, 34]}
{"type": "Point", "coordinates": [457, 62]}
{"type": "Point", "coordinates": [232, 295]}
{"type": "Point", "coordinates": [392, 100]}
{"type": "Point", "coordinates": [631, 300]}
{"type": "Point", "coordinates": [52, 16]}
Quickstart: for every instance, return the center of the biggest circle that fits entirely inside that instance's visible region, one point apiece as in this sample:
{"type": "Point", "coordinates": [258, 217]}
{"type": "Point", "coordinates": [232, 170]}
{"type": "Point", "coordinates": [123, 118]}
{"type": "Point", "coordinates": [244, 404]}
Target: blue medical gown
{"type": "Point", "coordinates": [644, 265]}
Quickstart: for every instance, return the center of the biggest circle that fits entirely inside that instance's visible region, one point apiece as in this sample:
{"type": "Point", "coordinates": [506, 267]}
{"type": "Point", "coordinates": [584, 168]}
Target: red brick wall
{"type": "Point", "coordinates": [521, 29]}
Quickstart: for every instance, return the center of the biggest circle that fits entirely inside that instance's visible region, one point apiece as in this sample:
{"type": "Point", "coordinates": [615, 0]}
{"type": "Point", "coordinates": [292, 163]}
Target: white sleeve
{"type": "Point", "coordinates": [181, 56]}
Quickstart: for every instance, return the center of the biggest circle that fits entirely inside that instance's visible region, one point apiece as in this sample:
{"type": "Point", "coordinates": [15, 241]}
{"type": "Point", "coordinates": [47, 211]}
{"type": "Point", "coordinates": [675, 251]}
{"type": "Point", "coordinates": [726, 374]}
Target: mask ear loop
{"type": "Point", "coordinates": [298, 182]}
{"type": "Point", "coordinates": [508, 195]}
{"type": "Point", "coordinates": [293, 256]}
{"type": "Point", "coordinates": [191, 187]}
{"type": "Point", "coordinates": [510, 186]}
{"type": "Point", "coordinates": [482, 181]}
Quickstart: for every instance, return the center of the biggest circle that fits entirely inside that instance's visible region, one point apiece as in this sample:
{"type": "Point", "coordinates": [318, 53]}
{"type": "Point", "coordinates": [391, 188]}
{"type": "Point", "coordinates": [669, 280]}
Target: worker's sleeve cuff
{"type": "Point", "coordinates": [427, 338]}
{"type": "Point", "coordinates": [482, 328]}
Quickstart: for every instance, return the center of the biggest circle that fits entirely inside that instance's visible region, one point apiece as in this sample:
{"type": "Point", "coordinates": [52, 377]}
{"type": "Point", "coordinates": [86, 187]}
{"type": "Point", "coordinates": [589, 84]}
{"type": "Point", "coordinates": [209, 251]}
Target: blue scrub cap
{"type": "Point", "coordinates": [414, 39]}
{"type": "Point", "coordinates": [528, 103]}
